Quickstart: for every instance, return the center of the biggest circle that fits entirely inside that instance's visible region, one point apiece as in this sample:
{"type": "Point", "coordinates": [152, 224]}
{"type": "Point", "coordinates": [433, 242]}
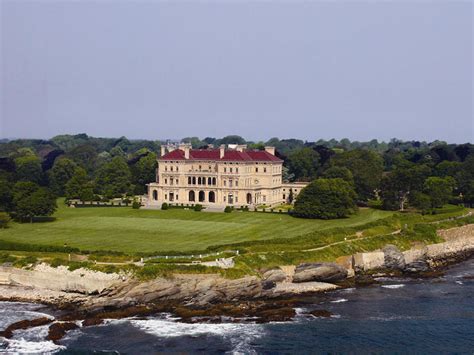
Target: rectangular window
{"type": "Point", "coordinates": [264, 170]}
{"type": "Point", "coordinates": [166, 181]}
{"type": "Point", "coordinates": [264, 198]}
{"type": "Point", "coordinates": [176, 181]}
{"type": "Point", "coordinates": [236, 199]}
{"type": "Point", "coordinates": [236, 170]}
{"type": "Point", "coordinates": [225, 183]}
{"type": "Point", "coordinates": [166, 196]}
{"type": "Point", "coordinates": [225, 169]}
{"type": "Point", "coordinates": [236, 183]}
{"type": "Point", "coordinates": [166, 168]}
{"type": "Point", "coordinates": [171, 168]}
{"type": "Point", "coordinates": [256, 170]}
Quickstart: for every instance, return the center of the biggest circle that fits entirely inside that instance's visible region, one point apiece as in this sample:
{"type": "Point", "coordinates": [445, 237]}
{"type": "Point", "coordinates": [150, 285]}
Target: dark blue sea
{"type": "Point", "coordinates": [403, 315]}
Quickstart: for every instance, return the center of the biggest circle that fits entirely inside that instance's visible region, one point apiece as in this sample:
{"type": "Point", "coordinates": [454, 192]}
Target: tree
{"type": "Point", "coordinates": [143, 172]}
{"type": "Point", "coordinates": [30, 200]}
{"type": "Point", "coordinates": [339, 172]}
{"type": "Point", "coordinates": [366, 167]}
{"type": "Point", "coordinates": [420, 201]}
{"type": "Point", "coordinates": [440, 190]}
{"type": "Point", "coordinates": [303, 163]}
{"type": "Point", "coordinates": [291, 196]}
{"type": "Point", "coordinates": [6, 195]}
{"type": "Point", "coordinates": [113, 179]}
{"type": "Point", "coordinates": [397, 186]}
{"type": "Point", "coordinates": [28, 168]}
{"type": "Point", "coordinates": [84, 156]}
{"type": "Point", "coordinates": [62, 171]}
{"type": "Point", "coordinates": [326, 199]}
{"type": "Point", "coordinates": [4, 220]}
{"type": "Point", "coordinates": [79, 186]}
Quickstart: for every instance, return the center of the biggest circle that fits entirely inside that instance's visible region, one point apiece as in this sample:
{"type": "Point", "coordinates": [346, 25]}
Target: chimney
{"type": "Point", "coordinates": [163, 150]}
{"type": "Point", "coordinates": [241, 147]}
{"type": "Point", "coordinates": [187, 148]}
{"type": "Point", "coordinates": [270, 150]}
{"type": "Point", "coordinates": [221, 151]}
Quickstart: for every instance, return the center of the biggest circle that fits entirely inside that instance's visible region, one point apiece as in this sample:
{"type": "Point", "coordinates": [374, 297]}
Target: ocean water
{"type": "Point", "coordinates": [400, 315]}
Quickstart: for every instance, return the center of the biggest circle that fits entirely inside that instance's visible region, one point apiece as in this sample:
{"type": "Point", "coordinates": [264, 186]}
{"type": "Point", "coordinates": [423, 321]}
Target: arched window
{"type": "Point", "coordinates": [199, 180]}
{"type": "Point", "coordinates": [194, 180]}
{"type": "Point", "coordinates": [214, 181]}
{"type": "Point", "coordinates": [202, 196]}
{"type": "Point", "coordinates": [249, 198]}
{"type": "Point", "coordinates": [212, 196]}
{"type": "Point", "coordinates": [192, 196]}
{"type": "Point", "coordinates": [155, 195]}
{"type": "Point", "coordinates": [189, 180]}
{"type": "Point", "coordinates": [209, 181]}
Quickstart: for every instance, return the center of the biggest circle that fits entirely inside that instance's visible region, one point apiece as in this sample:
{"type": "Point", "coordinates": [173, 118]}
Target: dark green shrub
{"type": "Point", "coordinates": [228, 209]}
{"type": "Point", "coordinates": [6, 258]}
{"type": "Point", "coordinates": [58, 262]}
{"type": "Point", "coordinates": [29, 260]}
{"type": "Point", "coordinates": [164, 206]}
{"type": "Point", "coordinates": [198, 207]}
{"type": "Point", "coordinates": [4, 220]}
{"type": "Point", "coordinates": [136, 205]}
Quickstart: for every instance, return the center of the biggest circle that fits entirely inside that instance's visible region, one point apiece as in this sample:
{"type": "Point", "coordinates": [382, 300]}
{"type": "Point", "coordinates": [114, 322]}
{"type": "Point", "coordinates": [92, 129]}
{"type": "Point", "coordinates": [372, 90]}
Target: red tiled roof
{"type": "Point", "coordinates": [214, 154]}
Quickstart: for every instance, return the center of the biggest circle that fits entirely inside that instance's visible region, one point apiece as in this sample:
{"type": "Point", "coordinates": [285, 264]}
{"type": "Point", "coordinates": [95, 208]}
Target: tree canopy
{"type": "Point", "coordinates": [326, 199]}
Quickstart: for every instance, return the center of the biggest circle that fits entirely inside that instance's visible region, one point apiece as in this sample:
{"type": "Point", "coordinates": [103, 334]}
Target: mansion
{"type": "Point", "coordinates": [226, 176]}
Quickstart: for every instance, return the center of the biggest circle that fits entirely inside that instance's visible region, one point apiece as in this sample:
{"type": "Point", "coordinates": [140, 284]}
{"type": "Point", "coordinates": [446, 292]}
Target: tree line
{"type": "Point", "coordinates": [393, 175]}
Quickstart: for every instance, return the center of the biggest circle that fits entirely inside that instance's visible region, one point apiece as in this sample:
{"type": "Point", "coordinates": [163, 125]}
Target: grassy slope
{"type": "Point", "coordinates": [128, 230]}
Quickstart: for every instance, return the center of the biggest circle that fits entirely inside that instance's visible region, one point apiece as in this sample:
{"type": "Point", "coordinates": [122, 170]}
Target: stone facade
{"type": "Point", "coordinates": [227, 176]}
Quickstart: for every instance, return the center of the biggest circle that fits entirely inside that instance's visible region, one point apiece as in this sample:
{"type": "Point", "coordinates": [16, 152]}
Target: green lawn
{"type": "Point", "coordinates": [128, 230]}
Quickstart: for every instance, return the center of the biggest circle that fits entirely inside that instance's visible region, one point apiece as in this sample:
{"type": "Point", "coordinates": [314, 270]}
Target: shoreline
{"type": "Point", "coordinates": [90, 297]}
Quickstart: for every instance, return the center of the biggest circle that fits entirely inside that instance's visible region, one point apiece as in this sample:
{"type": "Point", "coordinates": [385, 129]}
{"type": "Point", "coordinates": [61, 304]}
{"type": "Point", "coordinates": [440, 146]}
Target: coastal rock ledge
{"type": "Point", "coordinates": [321, 272]}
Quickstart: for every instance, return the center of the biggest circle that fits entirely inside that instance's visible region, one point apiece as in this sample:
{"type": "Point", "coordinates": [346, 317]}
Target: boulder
{"type": "Point", "coordinates": [274, 275]}
{"type": "Point", "coordinates": [393, 257]}
{"type": "Point", "coordinates": [324, 272]}
{"type": "Point", "coordinates": [369, 261]}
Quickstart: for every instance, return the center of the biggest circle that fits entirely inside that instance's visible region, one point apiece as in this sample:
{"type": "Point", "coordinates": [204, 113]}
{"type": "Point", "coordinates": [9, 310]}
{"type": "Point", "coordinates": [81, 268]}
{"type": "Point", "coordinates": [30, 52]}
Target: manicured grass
{"type": "Point", "coordinates": [128, 230]}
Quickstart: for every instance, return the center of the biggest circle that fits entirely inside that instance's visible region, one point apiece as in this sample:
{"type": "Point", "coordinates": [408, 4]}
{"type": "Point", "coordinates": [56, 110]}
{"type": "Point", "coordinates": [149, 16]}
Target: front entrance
{"type": "Point", "coordinates": [249, 199]}
{"type": "Point", "coordinates": [212, 196]}
{"type": "Point", "coordinates": [192, 198]}
{"type": "Point", "coordinates": [202, 196]}
{"type": "Point", "coordinates": [171, 196]}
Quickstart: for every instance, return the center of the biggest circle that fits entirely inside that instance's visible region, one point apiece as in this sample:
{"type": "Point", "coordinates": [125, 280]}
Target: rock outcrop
{"type": "Point", "coordinates": [322, 272]}
{"type": "Point", "coordinates": [393, 257]}
{"type": "Point", "coordinates": [274, 275]}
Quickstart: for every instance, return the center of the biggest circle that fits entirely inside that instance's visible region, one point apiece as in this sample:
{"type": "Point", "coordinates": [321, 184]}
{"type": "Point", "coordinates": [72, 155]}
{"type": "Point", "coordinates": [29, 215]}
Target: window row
{"type": "Point", "coordinates": [192, 180]}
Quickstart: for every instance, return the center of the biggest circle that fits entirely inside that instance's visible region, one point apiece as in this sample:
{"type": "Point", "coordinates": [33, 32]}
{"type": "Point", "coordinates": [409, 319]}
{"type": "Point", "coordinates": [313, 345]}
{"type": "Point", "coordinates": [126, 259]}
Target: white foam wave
{"type": "Point", "coordinates": [340, 300]}
{"type": "Point", "coordinates": [23, 346]}
{"type": "Point", "coordinates": [393, 286]}
{"type": "Point", "coordinates": [240, 335]}
{"type": "Point", "coordinates": [348, 290]}
{"type": "Point", "coordinates": [459, 282]}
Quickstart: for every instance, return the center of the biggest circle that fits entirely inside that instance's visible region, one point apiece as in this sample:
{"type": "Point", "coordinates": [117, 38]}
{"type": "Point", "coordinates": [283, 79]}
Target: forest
{"type": "Point", "coordinates": [394, 175]}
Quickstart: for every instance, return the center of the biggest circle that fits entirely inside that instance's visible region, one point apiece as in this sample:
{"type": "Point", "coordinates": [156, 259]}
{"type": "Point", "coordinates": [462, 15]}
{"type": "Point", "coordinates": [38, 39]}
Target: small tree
{"type": "Point", "coordinates": [41, 202]}
{"type": "Point", "coordinates": [164, 206]}
{"type": "Point", "coordinates": [227, 209]}
{"type": "Point", "coordinates": [291, 196]}
{"type": "Point", "coordinates": [440, 190]}
{"type": "Point", "coordinates": [198, 207]}
{"type": "Point", "coordinates": [4, 220]}
{"type": "Point", "coordinates": [326, 199]}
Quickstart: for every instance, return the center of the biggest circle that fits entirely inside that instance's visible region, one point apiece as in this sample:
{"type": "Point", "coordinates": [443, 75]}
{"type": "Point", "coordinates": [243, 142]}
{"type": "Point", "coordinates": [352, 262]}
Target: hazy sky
{"type": "Point", "coordinates": [303, 69]}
